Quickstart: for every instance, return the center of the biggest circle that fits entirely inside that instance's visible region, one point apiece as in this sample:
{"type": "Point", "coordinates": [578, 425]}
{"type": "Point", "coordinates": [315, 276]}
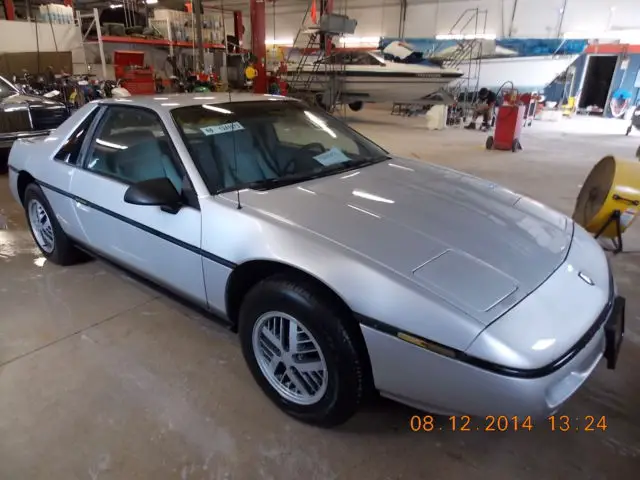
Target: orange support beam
{"type": "Point", "coordinates": [9, 10]}
{"type": "Point", "coordinates": [238, 27]}
{"type": "Point", "coordinates": [258, 46]}
{"type": "Point", "coordinates": [327, 10]}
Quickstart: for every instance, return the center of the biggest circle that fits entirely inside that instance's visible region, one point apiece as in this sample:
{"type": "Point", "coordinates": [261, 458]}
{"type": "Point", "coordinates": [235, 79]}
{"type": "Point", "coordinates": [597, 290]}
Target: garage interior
{"type": "Point", "coordinates": [104, 376]}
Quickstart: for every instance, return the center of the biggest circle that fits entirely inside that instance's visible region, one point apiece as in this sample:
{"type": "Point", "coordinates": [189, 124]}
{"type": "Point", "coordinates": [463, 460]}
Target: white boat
{"type": "Point", "coordinates": [498, 65]}
{"type": "Point", "coordinates": [528, 74]}
{"type": "Point", "coordinates": [366, 77]}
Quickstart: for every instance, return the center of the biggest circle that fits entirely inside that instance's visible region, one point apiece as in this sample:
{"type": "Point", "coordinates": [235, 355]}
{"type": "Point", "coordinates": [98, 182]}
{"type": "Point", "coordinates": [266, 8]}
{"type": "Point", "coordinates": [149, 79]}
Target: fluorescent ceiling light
{"type": "Point", "coordinates": [104, 143]}
{"type": "Point", "coordinates": [150, 2]}
{"type": "Point", "coordinates": [360, 40]}
{"type": "Point", "coordinates": [114, 5]}
{"type": "Point", "coordinates": [466, 36]}
{"type": "Point", "coordinates": [217, 109]}
{"type": "Point", "coordinates": [627, 35]}
{"type": "Point", "coordinates": [319, 123]}
{"type": "Point", "coordinates": [286, 42]}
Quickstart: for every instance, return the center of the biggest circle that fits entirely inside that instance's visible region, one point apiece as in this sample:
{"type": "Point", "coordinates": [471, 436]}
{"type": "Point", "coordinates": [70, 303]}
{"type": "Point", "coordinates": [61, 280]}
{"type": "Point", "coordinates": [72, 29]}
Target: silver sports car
{"type": "Point", "coordinates": [345, 270]}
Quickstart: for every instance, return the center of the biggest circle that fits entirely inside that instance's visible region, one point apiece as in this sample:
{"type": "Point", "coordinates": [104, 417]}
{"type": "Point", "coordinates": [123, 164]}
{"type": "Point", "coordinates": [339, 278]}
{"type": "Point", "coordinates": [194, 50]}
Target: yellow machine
{"type": "Point", "coordinates": [250, 72]}
{"type": "Point", "coordinates": [570, 107]}
{"type": "Point", "coordinates": [609, 201]}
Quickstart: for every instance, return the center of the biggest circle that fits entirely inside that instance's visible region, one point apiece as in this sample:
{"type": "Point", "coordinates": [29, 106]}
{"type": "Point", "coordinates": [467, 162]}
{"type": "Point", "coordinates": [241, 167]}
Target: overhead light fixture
{"type": "Point", "coordinates": [113, 6]}
{"type": "Point", "coordinates": [628, 35]}
{"type": "Point", "coordinates": [361, 41]}
{"type": "Point", "coordinates": [217, 109]}
{"type": "Point", "coordinates": [104, 143]}
{"type": "Point", "coordinates": [283, 42]}
{"type": "Point", "coordinates": [150, 2]}
{"type": "Point", "coordinates": [466, 36]}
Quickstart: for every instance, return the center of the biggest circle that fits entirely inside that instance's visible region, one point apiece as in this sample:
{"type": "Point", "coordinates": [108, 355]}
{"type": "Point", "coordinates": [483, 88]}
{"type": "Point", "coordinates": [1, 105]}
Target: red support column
{"type": "Point", "coordinates": [9, 10]}
{"type": "Point", "coordinates": [328, 8]}
{"type": "Point", "coordinates": [258, 47]}
{"type": "Point", "coordinates": [238, 27]}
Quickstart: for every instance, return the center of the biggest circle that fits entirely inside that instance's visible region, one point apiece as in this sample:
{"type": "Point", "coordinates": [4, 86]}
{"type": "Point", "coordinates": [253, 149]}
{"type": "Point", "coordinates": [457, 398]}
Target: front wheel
{"type": "Point", "coordinates": [300, 351]}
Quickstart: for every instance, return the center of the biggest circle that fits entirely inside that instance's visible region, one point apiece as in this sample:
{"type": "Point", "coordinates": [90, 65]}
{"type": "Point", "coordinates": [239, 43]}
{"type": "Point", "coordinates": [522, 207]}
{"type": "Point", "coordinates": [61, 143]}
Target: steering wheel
{"type": "Point", "coordinates": [308, 146]}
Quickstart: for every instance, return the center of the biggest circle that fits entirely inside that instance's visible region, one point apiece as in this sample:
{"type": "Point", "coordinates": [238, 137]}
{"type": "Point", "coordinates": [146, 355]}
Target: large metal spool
{"type": "Point", "coordinates": [609, 200]}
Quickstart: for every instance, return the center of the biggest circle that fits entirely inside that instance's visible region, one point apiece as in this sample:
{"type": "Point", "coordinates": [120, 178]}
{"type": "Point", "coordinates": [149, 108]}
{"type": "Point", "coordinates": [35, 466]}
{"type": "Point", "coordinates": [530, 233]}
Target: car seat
{"type": "Point", "coordinates": [240, 159]}
{"type": "Point", "coordinates": [144, 159]}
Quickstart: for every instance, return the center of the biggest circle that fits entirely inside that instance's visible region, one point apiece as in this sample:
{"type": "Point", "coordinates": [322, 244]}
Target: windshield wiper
{"type": "Point", "coordinates": [269, 183]}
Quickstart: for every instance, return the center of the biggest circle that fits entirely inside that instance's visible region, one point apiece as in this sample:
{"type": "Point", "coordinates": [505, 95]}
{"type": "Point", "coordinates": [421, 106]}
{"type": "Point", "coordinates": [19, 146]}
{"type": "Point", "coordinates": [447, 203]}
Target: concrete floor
{"type": "Point", "coordinates": [102, 378]}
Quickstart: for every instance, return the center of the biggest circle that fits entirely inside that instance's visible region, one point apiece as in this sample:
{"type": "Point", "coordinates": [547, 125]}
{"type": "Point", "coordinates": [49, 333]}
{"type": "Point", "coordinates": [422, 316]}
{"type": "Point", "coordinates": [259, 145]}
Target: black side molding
{"type": "Point", "coordinates": [214, 258]}
{"type": "Point", "coordinates": [489, 366]}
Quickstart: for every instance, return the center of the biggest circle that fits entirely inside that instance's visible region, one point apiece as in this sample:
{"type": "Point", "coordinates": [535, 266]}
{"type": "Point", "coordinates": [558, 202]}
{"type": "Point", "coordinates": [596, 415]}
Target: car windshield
{"type": "Point", "coordinates": [6, 89]}
{"type": "Point", "coordinates": [268, 144]}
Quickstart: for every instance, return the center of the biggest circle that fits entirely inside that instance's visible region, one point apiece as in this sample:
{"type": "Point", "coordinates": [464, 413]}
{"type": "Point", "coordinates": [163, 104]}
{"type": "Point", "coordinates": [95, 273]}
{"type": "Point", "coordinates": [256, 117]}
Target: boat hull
{"type": "Point", "coordinates": [527, 73]}
{"type": "Point", "coordinates": [377, 87]}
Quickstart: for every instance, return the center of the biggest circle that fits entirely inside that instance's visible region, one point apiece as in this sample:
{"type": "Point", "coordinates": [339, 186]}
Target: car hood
{"type": "Point", "coordinates": [478, 246]}
{"type": "Point", "coordinates": [32, 101]}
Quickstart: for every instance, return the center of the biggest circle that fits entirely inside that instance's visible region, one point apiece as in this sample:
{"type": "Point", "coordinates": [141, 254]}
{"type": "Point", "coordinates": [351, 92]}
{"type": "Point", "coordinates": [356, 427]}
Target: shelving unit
{"type": "Point", "coordinates": [165, 26]}
{"type": "Point", "coordinates": [160, 42]}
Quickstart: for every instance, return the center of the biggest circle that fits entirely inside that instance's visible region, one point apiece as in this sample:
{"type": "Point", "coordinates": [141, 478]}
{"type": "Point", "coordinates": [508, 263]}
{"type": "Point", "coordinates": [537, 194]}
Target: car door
{"type": "Point", "coordinates": [129, 145]}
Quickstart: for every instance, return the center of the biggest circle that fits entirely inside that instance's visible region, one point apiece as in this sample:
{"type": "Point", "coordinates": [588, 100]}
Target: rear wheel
{"type": "Point", "coordinates": [45, 229]}
{"type": "Point", "coordinates": [300, 352]}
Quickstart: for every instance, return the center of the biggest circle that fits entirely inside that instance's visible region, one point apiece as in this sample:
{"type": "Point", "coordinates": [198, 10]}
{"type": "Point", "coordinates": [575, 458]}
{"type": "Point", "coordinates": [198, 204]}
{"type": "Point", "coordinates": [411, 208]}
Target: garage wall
{"type": "Point", "coordinates": [427, 18]}
{"type": "Point", "coordinates": [18, 37]}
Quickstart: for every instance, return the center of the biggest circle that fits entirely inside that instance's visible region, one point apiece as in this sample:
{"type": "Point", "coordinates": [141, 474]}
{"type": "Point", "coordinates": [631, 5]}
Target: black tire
{"type": "Point", "coordinates": [64, 252]}
{"type": "Point", "coordinates": [356, 106]}
{"type": "Point", "coordinates": [320, 103]}
{"type": "Point", "coordinates": [4, 161]}
{"type": "Point", "coordinates": [489, 143]}
{"type": "Point", "coordinates": [312, 309]}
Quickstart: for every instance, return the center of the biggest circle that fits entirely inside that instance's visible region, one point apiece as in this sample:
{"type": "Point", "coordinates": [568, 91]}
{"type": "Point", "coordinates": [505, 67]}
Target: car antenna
{"type": "Point", "coordinates": [233, 123]}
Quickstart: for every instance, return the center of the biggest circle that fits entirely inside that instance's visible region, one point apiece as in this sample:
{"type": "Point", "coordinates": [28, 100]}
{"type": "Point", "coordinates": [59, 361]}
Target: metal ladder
{"type": "Point", "coordinates": [323, 83]}
{"type": "Point", "coordinates": [467, 50]}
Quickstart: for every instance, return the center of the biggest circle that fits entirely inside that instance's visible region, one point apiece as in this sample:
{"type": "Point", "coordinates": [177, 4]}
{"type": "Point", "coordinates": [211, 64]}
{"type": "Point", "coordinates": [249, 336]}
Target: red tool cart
{"type": "Point", "coordinates": [509, 124]}
{"type": "Point", "coordinates": [133, 74]}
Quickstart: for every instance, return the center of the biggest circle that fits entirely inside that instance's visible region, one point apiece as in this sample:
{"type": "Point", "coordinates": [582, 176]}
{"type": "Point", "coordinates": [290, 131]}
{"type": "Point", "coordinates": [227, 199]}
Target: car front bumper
{"type": "Point", "coordinates": [438, 384]}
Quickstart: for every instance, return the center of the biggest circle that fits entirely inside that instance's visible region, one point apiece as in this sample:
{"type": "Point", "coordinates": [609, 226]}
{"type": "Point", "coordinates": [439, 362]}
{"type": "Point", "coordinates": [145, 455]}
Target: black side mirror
{"type": "Point", "coordinates": [158, 192]}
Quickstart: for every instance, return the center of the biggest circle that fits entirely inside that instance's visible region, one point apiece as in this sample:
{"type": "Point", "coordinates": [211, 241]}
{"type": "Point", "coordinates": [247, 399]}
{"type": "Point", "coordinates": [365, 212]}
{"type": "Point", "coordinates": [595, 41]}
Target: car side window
{"type": "Point", "coordinates": [130, 145]}
{"type": "Point", "coordinates": [70, 150]}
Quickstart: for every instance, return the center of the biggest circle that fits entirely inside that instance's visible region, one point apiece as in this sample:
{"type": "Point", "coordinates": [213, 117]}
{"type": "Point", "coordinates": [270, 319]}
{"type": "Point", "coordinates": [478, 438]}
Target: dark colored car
{"type": "Point", "coordinates": [25, 116]}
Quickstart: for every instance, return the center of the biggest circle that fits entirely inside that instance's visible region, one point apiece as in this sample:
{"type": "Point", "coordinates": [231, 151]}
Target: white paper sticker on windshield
{"type": "Point", "coordinates": [331, 157]}
{"type": "Point", "coordinates": [218, 129]}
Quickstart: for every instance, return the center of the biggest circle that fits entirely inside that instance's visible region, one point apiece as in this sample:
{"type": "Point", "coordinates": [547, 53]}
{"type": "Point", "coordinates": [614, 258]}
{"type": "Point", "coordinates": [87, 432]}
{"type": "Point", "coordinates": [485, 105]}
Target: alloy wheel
{"type": "Point", "coordinates": [41, 226]}
{"type": "Point", "coordinates": [290, 358]}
